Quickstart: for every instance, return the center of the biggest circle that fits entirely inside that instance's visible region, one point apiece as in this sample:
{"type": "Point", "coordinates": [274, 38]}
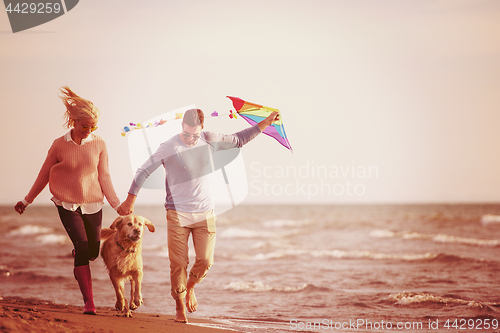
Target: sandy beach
{"type": "Point", "coordinates": [24, 315]}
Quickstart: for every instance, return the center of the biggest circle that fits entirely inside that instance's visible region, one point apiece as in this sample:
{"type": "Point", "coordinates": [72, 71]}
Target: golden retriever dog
{"type": "Point", "coordinates": [122, 254]}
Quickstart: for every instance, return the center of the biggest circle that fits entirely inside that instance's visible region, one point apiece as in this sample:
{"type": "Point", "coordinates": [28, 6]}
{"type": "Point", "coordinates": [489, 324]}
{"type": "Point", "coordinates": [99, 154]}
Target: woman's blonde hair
{"type": "Point", "coordinates": [77, 107]}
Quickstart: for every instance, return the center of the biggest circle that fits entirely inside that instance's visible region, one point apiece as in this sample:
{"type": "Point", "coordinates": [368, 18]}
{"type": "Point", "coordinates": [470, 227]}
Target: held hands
{"type": "Point", "coordinates": [127, 207]}
{"type": "Point", "coordinates": [20, 207]}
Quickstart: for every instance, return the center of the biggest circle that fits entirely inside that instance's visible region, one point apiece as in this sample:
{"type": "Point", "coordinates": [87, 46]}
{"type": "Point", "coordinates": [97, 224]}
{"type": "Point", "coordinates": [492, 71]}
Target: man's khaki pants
{"type": "Point", "coordinates": [204, 244]}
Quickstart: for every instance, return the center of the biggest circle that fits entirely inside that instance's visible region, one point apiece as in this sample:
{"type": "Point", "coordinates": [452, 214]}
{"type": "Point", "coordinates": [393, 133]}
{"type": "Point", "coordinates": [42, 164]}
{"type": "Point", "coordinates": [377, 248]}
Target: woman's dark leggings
{"type": "Point", "coordinates": [85, 233]}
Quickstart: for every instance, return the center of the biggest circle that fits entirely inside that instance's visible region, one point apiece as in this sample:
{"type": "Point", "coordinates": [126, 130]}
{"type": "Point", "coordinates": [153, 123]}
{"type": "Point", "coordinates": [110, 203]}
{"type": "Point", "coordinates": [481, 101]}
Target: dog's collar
{"type": "Point", "coordinates": [121, 247]}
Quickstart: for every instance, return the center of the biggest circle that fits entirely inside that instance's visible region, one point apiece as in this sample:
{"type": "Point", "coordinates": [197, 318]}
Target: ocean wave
{"type": "Point", "coordinates": [240, 233]}
{"type": "Point", "coordinates": [259, 245]}
{"type": "Point", "coordinates": [271, 255]}
{"type": "Point", "coordinates": [414, 298]}
{"type": "Point", "coordinates": [287, 223]}
{"type": "Point", "coordinates": [372, 255]}
{"type": "Point", "coordinates": [340, 254]}
{"type": "Point", "coordinates": [490, 219]}
{"type": "Point", "coordinates": [468, 241]}
{"type": "Point", "coordinates": [233, 233]}
{"type": "Point", "coordinates": [42, 235]}
{"type": "Point", "coordinates": [355, 255]}
{"type": "Point", "coordinates": [29, 230]}
{"type": "Point", "coordinates": [450, 258]}
{"type": "Point", "coordinates": [382, 234]}
{"type": "Point", "coordinates": [258, 286]}
{"type": "Point", "coordinates": [439, 238]}
{"type": "Point", "coordinates": [271, 244]}
{"type": "Point", "coordinates": [5, 271]}
{"type": "Point", "coordinates": [154, 247]}
{"type": "Point", "coordinates": [30, 277]}
{"type": "Point", "coordinates": [223, 327]}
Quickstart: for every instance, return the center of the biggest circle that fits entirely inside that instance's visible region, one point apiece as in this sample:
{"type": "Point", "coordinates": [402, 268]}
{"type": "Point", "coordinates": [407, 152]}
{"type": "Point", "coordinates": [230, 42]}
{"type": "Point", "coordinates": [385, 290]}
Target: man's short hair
{"type": "Point", "coordinates": [193, 117]}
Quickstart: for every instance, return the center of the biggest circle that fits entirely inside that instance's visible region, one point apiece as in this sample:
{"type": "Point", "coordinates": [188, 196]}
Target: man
{"type": "Point", "coordinates": [188, 162]}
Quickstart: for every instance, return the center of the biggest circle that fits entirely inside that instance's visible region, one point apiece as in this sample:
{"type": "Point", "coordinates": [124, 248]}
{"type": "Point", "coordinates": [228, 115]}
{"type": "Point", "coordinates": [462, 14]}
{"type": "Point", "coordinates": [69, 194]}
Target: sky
{"type": "Point", "coordinates": [383, 101]}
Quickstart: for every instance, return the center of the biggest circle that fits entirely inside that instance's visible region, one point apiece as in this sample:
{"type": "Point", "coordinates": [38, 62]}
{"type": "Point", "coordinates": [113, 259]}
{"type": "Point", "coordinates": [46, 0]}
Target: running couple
{"type": "Point", "coordinates": [76, 169]}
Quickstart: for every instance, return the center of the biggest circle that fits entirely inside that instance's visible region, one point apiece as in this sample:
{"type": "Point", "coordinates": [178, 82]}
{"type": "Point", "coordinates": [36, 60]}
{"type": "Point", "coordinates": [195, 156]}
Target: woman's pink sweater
{"type": "Point", "coordinates": [76, 173]}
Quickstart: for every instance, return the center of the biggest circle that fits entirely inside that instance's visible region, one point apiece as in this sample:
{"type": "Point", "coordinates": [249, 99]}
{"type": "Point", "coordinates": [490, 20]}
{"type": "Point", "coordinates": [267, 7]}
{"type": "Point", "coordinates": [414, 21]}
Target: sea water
{"type": "Point", "coordinates": [291, 268]}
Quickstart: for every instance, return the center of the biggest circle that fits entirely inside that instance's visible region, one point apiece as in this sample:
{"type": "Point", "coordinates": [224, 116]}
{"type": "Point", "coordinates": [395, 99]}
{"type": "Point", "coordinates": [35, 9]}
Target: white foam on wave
{"type": "Point", "coordinates": [224, 327]}
{"type": "Point", "coordinates": [153, 247]}
{"type": "Point", "coordinates": [490, 219]}
{"type": "Point", "coordinates": [440, 238]}
{"type": "Point", "coordinates": [372, 255]}
{"type": "Point", "coordinates": [339, 254]}
{"type": "Point", "coordinates": [43, 235]}
{"type": "Point", "coordinates": [382, 234]}
{"type": "Point", "coordinates": [232, 233]}
{"type": "Point", "coordinates": [163, 253]}
{"type": "Point", "coordinates": [463, 240]}
{"type": "Point", "coordinates": [286, 223]}
{"type": "Point", "coordinates": [5, 271]}
{"type": "Point", "coordinates": [258, 286]}
{"type": "Point", "coordinates": [239, 233]}
{"type": "Point", "coordinates": [271, 255]}
{"type": "Point", "coordinates": [53, 239]}
{"type": "Point", "coordinates": [409, 298]}
{"type": "Point", "coordinates": [30, 230]}
{"type": "Point", "coordinates": [258, 245]}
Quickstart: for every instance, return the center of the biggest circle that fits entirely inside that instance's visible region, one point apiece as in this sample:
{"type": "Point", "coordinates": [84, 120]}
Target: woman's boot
{"type": "Point", "coordinates": [82, 274]}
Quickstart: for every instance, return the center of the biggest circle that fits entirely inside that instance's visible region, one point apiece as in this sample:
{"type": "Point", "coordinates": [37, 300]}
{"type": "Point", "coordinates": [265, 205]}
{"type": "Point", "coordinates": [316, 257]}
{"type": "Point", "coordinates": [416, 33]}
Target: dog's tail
{"type": "Point", "coordinates": [106, 233]}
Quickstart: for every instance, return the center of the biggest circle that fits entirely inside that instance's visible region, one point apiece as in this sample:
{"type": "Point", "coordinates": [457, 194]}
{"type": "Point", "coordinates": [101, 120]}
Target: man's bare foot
{"type": "Point", "coordinates": [191, 302]}
{"type": "Point", "coordinates": [180, 311]}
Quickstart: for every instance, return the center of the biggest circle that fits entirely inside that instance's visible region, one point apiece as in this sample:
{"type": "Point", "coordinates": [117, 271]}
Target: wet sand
{"type": "Point", "coordinates": [23, 315]}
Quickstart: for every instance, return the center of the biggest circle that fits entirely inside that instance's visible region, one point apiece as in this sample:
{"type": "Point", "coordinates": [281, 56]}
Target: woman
{"type": "Point", "coordinates": [76, 169]}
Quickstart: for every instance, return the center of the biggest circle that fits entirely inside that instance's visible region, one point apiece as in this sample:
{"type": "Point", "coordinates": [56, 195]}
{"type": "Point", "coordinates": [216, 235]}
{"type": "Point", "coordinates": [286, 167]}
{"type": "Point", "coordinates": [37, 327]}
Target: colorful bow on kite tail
{"type": "Point", "coordinates": [255, 113]}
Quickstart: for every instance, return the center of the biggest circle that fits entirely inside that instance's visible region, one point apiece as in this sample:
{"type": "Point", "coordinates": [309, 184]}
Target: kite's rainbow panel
{"type": "Point", "coordinates": [255, 113]}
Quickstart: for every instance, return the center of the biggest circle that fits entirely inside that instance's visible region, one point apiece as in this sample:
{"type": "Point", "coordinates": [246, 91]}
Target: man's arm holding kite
{"type": "Point", "coordinates": [274, 116]}
{"type": "Point", "coordinates": [239, 139]}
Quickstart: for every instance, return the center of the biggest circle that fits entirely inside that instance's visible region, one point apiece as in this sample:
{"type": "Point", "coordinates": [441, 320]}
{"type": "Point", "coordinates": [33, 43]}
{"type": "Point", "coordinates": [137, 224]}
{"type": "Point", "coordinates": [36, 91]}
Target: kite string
{"type": "Point", "coordinates": [135, 126]}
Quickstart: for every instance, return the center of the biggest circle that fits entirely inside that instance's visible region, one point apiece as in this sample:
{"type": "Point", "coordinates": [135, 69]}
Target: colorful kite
{"type": "Point", "coordinates": [255, 113]}
{"type": "Point", "coordinates": [251, 112]}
